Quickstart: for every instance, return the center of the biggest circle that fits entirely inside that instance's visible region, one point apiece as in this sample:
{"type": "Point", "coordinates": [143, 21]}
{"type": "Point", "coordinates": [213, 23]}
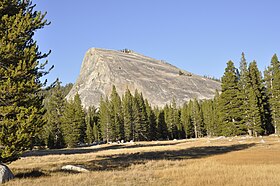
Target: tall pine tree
{"type": "Point", "coordinates": [230, 103]}
{"type": "Point", "coordinates": [74, 122]}
{"type": "Point", "coordinates": [55, 106]}
{"type": "Point", "coordinates": [273, 85]}
{"type": "Point", "coordinates": [21, 107]}
{"type": "Point", "coordinates": [127, 106]}
{"type": "Point", "coordinates": [117, 116]}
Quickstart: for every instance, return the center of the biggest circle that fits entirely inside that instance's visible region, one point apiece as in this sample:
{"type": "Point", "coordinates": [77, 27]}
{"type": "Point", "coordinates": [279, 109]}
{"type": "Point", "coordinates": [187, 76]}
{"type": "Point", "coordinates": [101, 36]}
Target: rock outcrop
{"type": "Point", "coordinates": [74, 168]}
{"type": "Point", "coordinates": [5, 173]}
{"type": "Point", "coordinates": [158, 80]}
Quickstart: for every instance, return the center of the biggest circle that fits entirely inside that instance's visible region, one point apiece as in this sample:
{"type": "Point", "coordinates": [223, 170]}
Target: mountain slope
{"type": "Point", "coordinates": [159, 81]}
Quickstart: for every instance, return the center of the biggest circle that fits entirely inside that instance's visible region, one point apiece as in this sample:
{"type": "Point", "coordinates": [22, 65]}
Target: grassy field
{"type": "Point", "coordinates": [207, 161]}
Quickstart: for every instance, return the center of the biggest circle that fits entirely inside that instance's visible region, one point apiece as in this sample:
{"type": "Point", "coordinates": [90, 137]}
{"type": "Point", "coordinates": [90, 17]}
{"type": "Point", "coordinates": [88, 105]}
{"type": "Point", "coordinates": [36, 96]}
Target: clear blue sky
{"type": "Point", "coordinates": [199, 36]}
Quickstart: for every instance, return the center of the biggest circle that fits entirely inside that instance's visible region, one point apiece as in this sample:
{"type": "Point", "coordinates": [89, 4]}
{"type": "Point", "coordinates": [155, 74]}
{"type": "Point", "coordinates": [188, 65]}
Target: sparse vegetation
{"type": "Point", "coordinates": [127, 51]}
{"type": "Point", "coordinates": [206, 161]}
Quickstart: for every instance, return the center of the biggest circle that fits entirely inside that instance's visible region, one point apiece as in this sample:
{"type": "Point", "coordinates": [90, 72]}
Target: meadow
{"type": "Point", "coordinates": [206, 161]}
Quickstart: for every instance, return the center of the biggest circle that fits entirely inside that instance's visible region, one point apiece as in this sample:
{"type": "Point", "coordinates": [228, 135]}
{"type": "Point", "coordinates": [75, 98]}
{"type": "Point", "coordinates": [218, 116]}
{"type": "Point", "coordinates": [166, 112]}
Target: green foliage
{"type": "Point", "coordinates": [242, 107]}
{"type": "Point", "coordinates": [129, 128]}
{"type": "Point", "coordinates": [186, 121]}
{"type": "Point", "coordinates": [230, 104]}
{"type": "Point", "coordinates": [21, 108]}
{"type": "Point", "coordinates": [105, 120]}
{"type": "Point", "coordinates": [141, 118]}
{"type": "Point", "coordinates": [117, 116]}
{"type": "Point", "coordinates": [55, 106]}
{"type": "Point", "coordinates": [162, 133]}
{"type": "Point", "coordinates": [152, 133]}
{"type": "Point", "coordinates": [74, 122]}
{"type": "Point", "coordinates": [256, 114]}
{"type": "Point", "coordinates": [208, 112]}
{"type": "Point", "coordinates": [197, 118]}
{"type": "Point", "coordinates": [93, 131]}
{"type": "Point", "coordinates": [273, 86]}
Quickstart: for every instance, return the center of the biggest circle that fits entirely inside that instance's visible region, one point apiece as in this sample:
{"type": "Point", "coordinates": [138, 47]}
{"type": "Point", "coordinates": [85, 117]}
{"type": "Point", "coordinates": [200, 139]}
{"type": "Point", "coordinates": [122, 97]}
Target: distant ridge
{"type": "Point", "coordinates": [158, 80]}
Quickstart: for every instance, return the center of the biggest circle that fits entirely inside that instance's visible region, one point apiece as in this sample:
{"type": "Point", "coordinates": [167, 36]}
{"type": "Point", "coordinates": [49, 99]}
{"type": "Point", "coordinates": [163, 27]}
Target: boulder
{"type": "Point", "coordinates": [74, 168]}
{"type": "Point", "coordinates": [5, 173]}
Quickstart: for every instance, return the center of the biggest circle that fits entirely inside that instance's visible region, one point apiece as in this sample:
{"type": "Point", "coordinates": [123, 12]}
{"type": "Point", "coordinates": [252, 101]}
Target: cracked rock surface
{"type": "Point", "coordinates": [158, 80]}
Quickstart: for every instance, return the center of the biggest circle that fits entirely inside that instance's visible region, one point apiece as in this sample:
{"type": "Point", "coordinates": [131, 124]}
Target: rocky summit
{"type": "Point", "coordinates": [158, 80]}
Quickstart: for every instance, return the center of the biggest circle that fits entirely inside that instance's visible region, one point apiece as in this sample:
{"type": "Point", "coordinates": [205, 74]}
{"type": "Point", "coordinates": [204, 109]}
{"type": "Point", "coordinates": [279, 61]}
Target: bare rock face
{"type": "Point", "coordinates": [5, 173]}
{"type": "Point", "coordinates": [159, 81]}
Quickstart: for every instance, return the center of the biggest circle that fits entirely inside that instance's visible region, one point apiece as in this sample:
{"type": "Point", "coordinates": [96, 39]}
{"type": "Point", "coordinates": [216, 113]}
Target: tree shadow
{"type": "Point", "coordinates": [82, 150]}
{"type": "Point", "coordinates": [31, 174]}
{"type": "Point", "coordinates": [120, 161]}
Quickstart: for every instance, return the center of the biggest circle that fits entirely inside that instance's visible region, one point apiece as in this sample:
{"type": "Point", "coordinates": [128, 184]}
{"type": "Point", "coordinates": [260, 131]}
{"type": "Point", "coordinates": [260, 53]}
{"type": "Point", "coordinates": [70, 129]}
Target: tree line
{"type": "Point", "coordinates": [30, 115]}
{"type": "Point", "coordinates": [247, 105]}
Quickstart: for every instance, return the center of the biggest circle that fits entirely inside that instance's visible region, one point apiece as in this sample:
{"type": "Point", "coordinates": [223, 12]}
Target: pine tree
{"type": "Point", "coordinates": [162, 133]}
{"type": "Point", "coordinates": [174, 119]}
{"type": "Point", "coordinates": [93, 131]}
{"type": "Point", "coordinates": [21, 107]}
{"type": "Point", "coordinates": [273, 85]}
{"type": "Point", "coordinates": [55, 106]}
{"type": "Point", "coordinates": [74, 122]}
{"type": "Point", "coordinates": [207, 108]}
{"type": "Point", "coordinates": [152, 122]}
{"type": "Point", "coordinates": [127, 105]}
{"type": "Point", "coordinates": [217, 120]}
{"type": "Point", "coordinates": [230, 103]}
{"type": "Point", "coordinates": [244, 86]}
{"type": "Point", "coordinates": [256, 115]}
{"type": "Point", "coordinates": [117, 116]}
{"type": "Point", "coordinates": [197, 119]}
{"type": "Point", "coordinates": [105, 116]}
{"type": "Point", "coordinates": [168, 120]}
{"type": "Point", "coordinates": [187, 121]}
{"type": "Point", "coordinates": [269, 128]}
{"type": "Point", "coordinates": [140, 117]}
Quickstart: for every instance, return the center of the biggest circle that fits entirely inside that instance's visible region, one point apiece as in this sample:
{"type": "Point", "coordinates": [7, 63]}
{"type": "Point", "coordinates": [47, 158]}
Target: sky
{"type": "Point", "coordinates": [199, 36]}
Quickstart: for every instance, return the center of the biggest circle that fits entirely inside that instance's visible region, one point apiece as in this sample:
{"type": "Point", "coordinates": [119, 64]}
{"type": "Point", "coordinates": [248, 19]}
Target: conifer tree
{"type": "Point", "coordinates": [269, 128]}
{"type": "Point", "coordinates": [244, 86]}
{"type": "Point", "coordinates": [117, 116]}
{"type": "Point", "coordinates": [230, 103]}
{"type": "Point", "coordinates": [93, 132]}
{"type": "Point", "coordinates": [187, 121]}
{"type": "Point", "coordinates": [152, 121]}
{"type": "Point", "coordinates": [127, 106]}
{"type": "Point", "coordinates": [140, 117]}
{"type": "Point", "coordinates": [168, 120]}
{"type": "Point", "coordinates": [256, 106]}
{"type": "Point", "coordinates": [174, 120]}
{"type": "Point", "coordinates": [74, 122]}
{"type": "Point", "coordinates": [273, 85]}
{"type": "Point", "coordinates": [105, 116]}
{"type": "Point", "coordinates": [162, 133]}
{"type": "Point", "coordinates": [55, 106]}
{"type": "Point", "coordinates": [207, 108]}
{"type": "Point", "coordinates": [217, 121]}
{"type": "Point", "coordinates": [197, 119]}
{"type": "Point", "coordinates": [21, 107]}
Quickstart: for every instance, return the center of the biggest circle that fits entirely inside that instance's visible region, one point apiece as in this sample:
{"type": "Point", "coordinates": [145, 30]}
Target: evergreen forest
{"type": "Point", "coordinates": [248, 104]}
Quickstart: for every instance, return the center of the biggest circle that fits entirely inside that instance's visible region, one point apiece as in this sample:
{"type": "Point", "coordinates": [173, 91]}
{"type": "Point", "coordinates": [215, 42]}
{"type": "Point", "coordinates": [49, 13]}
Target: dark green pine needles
{"type": "Point", "coordinates": [20, 72]}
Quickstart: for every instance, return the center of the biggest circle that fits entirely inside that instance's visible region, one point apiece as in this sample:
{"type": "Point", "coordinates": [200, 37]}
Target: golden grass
{"type": "Point", "coordinates": [229, 161]}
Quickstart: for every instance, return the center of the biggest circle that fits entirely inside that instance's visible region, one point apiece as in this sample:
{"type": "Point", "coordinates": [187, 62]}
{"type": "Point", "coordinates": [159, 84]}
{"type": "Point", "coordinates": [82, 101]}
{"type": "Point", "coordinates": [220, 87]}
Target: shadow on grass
{"type": "Point", "coordinates": [120, 161]}
{"type": "Point", "coordinates": [82, 150]}
{"type": "Point", "coordinates": [31, 174]}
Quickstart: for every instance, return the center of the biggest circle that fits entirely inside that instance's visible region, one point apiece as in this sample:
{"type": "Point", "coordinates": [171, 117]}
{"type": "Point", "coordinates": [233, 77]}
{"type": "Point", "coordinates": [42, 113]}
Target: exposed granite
{"type": "Point", "coordinates": [159, 81]}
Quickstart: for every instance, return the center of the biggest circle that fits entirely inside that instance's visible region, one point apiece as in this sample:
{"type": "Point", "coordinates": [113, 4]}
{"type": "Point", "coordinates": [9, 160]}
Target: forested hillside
{"type": "Point", "coordinates": [247, 105]}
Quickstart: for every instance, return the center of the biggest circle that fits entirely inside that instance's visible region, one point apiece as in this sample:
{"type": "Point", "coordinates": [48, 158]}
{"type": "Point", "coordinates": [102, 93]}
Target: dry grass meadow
{"type": "Point", "coordinates": [207, 161]}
